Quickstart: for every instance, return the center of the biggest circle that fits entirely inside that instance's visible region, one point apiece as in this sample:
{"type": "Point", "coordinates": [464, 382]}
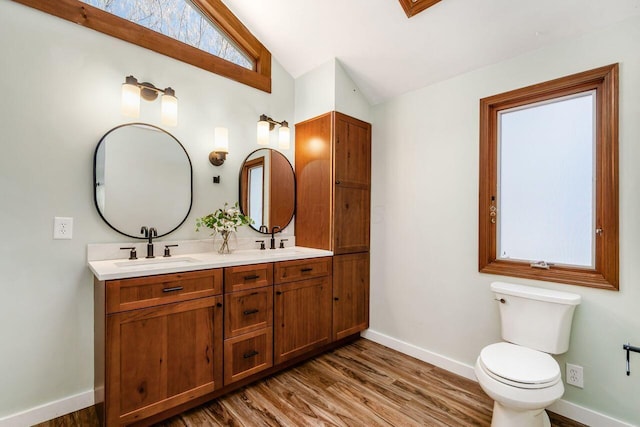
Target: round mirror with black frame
{"type": "Point", "coordinates": [142, 176]}
{"type": "Point", "coordinates": [267, 190]}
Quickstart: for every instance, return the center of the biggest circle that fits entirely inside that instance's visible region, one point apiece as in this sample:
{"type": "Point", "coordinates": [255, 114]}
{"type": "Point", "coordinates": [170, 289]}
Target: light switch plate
{"type": "Point", "coordinates": [62, 228]}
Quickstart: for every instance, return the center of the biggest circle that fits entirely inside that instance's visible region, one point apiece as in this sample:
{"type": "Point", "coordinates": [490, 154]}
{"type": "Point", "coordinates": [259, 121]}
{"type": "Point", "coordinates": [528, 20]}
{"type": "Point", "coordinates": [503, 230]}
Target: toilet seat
{"type": "Point", "coordinates": [519, 366]}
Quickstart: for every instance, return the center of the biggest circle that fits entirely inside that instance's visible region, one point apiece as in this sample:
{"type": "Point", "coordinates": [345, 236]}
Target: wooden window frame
{"type": "Point", "coordinates": [104, 22]}
{"type": "Point", "coordinates": [413, 7]}
{"type": "Point", "coordinates": [605, 275]}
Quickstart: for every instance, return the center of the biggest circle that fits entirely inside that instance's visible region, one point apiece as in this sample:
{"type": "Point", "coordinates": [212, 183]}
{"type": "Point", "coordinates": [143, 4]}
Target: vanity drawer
{"type": "Point", "coordinates": [291, 271]}
{"type": "Point", "coordinates": [248, 311]}
{"type": "Point", "coordinates": [247, 354]}
{"type": "Point", "coordinates": [131, 294]}
{"type": "Point", "coordinates": [247, 277]}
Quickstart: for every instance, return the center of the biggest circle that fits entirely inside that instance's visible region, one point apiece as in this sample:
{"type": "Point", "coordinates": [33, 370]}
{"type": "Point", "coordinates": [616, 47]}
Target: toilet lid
{"type": "Point", "coordinates": [520, 366]}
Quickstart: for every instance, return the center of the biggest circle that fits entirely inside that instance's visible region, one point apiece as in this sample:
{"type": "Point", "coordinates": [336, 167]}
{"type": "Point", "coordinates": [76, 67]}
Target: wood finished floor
{"type": "Point", "coordinates": [362, 384]}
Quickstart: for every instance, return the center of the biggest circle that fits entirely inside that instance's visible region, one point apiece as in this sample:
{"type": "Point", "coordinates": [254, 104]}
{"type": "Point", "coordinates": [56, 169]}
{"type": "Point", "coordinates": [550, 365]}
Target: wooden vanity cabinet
{"type": "Point", "coordinates": [248, 330]}
{"type": "Point", "coordinates": [333, 180]}
{"type": "Point", "coordinates": [151, 359]}
{"type": "Point", "coordinates": [333, 173]}
{"type": "Point", "coordinates": [302, 307]}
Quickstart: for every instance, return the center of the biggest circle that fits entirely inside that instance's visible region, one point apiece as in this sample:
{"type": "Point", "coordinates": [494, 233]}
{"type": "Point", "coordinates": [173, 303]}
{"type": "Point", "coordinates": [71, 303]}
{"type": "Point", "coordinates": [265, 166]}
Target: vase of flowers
{"type": "Point", "coordinates": [224, 221]}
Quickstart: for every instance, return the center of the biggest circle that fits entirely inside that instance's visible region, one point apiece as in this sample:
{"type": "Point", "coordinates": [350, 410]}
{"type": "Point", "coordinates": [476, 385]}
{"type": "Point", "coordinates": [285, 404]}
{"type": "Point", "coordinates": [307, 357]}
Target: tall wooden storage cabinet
{"type": "Point", "coordinates": [333, 173]}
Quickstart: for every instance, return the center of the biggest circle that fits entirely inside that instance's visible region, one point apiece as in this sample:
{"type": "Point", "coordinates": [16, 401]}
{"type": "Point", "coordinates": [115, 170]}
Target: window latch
{"type": "Point", "coordinates": [541, 264]}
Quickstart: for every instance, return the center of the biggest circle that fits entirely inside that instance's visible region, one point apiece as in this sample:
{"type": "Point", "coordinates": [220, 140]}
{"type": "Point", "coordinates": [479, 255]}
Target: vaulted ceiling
{"type": "Point", "coordinates": [387, 54]}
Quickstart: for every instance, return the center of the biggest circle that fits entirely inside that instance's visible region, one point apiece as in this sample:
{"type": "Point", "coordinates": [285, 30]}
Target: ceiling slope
{"type": "Point", "coordinates": [387, 54]}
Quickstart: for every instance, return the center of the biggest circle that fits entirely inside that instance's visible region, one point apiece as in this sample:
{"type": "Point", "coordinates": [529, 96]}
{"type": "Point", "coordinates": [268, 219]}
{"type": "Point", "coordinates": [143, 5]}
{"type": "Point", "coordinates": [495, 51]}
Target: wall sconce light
{"type": "Point", "coordinates": [220, 146]}
{"type": "Point", "coordinates": [132, 91]}
{"type": "Point", "coordinates": [267, 124]}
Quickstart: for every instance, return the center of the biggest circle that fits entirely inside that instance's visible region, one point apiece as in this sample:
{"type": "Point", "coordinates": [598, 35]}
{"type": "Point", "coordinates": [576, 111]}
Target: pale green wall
{"type": "Point", "coordinates": [61, 92]}
{"type": "Point", "coordinates": [425, 285]}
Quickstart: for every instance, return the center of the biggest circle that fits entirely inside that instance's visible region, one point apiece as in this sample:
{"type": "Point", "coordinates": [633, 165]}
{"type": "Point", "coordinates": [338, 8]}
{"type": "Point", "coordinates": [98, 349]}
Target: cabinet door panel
{"type": "Point", "coordinates": [352, 213]}
{"type": "Point", "coordinates": [352, 151]}
{"type": "Point", "coordinates": [350, 294]}
{"type": "Point", "coordinates": [302, 317]}
{"type": "Point", "coordinates": [162, 356]}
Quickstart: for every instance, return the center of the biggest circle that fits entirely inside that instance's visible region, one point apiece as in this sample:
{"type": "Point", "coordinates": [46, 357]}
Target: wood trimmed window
{"type": "Point", "coordinates": [413, 7]}
{"type": "Point", "coordinates": [91, 17]}
{"type": "Point", "coordinates": [604, 272]}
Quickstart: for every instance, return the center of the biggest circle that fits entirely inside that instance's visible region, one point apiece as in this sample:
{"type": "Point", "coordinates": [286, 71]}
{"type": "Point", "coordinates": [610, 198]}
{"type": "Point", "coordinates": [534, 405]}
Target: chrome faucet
{"type": "Point", "coordinates": [149, 233]}
{"type": "Point", "coordinates": [273, 239]}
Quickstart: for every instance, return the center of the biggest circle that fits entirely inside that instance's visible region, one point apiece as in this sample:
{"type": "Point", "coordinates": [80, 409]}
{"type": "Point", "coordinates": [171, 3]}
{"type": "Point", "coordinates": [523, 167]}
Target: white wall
{"type": "Point", "coordinates": [61, 92]}
{"type": "Point", "coordinates": [327, 88]}
{"type": "Point", "coordinates": [425, 285]}
{"type": "Point", "coordinates": [349, 100]}
{"type": "Point", "coordinates": [315, 92]}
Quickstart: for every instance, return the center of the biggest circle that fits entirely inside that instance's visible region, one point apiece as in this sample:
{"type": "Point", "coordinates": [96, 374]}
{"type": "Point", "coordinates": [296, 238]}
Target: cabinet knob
{"type": "Point", "coordinates": [219, 304]}
{"type": "Point", "coordinates": [336, 299]}
{"type": "Point", "coordinates": [338, 182]}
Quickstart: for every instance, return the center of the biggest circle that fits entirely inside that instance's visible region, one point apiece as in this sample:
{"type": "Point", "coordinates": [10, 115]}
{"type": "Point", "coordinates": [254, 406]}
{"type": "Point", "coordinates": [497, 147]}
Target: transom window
{"type": "Point", "coordinates": [203, 33]}
{"type": "Point", "coordinates": [548, 181]}
{"type": "Point", "coordinates": [179, 19]}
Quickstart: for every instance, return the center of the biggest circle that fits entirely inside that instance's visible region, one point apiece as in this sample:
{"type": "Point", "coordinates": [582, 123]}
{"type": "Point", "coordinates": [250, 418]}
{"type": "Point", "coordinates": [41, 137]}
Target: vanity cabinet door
{"type": "Point", "coordinates": [161, 357]}
{"type": "Point", "coordinates": [350, 294]}
{"type": "Point", "coordinates": [351, 219]}
{"type": "Point", "coordinates": [302, 317]}
{"type": "Point", "coordinates": [352, 151]}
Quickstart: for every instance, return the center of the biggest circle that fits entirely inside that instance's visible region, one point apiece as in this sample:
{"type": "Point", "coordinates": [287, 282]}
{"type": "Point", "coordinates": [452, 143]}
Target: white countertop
{"type": "Point", "coordinates": [114, 269]}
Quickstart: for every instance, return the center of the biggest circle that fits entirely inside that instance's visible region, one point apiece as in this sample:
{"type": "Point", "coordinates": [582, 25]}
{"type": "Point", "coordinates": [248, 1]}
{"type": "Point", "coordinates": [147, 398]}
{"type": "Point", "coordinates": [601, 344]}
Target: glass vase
{"type": "Point", "coordinates": [224, 247]}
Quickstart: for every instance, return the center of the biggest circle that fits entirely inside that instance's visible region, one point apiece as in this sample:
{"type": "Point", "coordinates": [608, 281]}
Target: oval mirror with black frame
{"type": "Point", "coordinates": [142, 176]}
{"type": "Point", "coordinates": [267, 190]}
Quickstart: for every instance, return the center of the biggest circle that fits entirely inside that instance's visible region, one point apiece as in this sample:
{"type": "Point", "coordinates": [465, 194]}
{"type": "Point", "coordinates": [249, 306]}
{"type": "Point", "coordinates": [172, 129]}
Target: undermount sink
{"type": "Point", "coordinates": [169, 261]}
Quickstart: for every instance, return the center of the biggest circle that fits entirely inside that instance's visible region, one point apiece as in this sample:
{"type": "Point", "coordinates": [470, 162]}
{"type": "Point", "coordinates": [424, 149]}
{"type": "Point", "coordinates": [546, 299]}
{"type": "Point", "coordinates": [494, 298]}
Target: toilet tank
{"type": "Point", "coordinates": [534, 317]}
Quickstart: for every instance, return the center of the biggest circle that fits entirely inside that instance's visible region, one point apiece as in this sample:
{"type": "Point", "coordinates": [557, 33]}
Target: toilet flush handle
{"type": "Point", "coordinates": [501, 300]}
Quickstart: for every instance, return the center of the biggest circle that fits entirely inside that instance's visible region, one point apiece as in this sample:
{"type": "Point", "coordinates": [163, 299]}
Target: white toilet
{"type": "Point", "coordinates": [520, 375]}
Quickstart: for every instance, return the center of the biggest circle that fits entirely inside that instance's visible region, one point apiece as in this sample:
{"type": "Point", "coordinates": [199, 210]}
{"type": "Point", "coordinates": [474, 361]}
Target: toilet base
{"type": "Point", "coordinates": [508, 417]}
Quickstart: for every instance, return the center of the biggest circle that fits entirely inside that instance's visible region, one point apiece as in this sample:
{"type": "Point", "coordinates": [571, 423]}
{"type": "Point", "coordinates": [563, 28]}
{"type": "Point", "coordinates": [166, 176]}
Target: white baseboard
{"type": "Point", "coordinates": [585, 415]}
{"type": "Point", "coordinates": [439, 360]}
{"type": "Point", "coordinates": [562, 407]}
{"type": "Point", "coordinates": [49, 411]}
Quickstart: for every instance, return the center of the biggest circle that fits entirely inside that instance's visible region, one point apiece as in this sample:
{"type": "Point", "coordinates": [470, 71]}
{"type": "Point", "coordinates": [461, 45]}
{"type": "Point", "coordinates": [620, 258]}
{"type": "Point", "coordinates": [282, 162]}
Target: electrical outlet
{"type": "Point", "coordinates": [574, 375]}
{"type": "Point", "coordinates": [62, 228]}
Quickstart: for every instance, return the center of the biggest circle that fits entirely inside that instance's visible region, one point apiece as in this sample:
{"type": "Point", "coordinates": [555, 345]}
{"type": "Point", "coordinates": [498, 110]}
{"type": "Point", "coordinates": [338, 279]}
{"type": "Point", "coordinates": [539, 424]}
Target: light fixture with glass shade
{"type": "Point", "coordinates": [132, 91]}
{"type": "Point", "coordinates": [267, 124]}
{"type": "Point", "coordinates": [284, 136]}
{"type": "Point", "coordinates": [220, 146]}
{"type": "Point", "coordinates": [169, 107]}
